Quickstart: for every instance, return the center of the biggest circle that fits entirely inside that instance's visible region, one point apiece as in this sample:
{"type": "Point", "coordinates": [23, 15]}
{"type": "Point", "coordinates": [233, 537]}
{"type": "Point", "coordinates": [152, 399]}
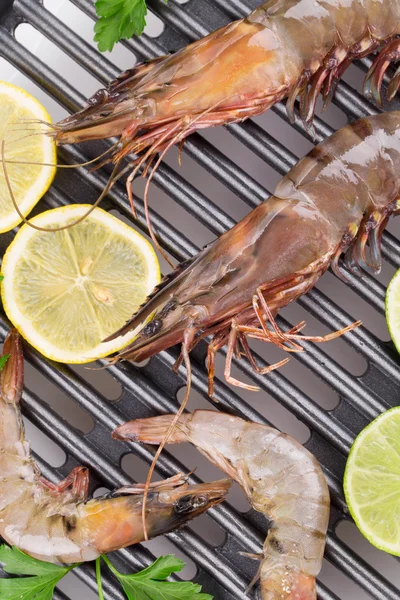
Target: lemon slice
{"type": "Point", "coordinates": [393, 309]}
{"type": "Point", "coordinates": [29, 182]}
{"type": "Point", "coordinates": [66, 291]}
{"type": "Point", "coordinates": [372, 481]}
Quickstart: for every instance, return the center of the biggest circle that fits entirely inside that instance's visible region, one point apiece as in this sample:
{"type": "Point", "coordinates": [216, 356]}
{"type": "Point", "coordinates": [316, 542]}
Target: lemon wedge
{"type": "Point", "coordinates": [29, 182]}
{"type": "Point", "coordinates": [392, 306]}
{"type": "Point", "coordinates": [66, 291]}
{"type": "Point", "coordinates": [372, 481]}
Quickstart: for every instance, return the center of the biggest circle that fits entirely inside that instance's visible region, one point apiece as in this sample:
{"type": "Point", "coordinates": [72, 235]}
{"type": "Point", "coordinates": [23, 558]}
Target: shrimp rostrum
{"type": "Point", "coordinates": [334, 201]}
{"type": "Point", "coordinates": [283, 49]}
{"type": "Point", "coordinates": [280, 478]}
{"type": "Point", "coordinates": [57, 523]}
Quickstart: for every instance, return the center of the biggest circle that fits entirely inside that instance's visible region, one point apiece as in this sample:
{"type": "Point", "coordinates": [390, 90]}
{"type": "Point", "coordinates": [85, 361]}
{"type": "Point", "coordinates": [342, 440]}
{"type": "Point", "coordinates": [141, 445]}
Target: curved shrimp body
{"type": "Point", "coordinates": [285, 48]}
{"type": "Point", "coordinates": [331, 203]}
{"type": "Point", "coordinates": [55, 522]}
{"type": "Point", "coordinates": [280, 478]}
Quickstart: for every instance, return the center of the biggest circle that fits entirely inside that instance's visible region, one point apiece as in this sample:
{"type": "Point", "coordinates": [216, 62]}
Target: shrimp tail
{"type": "Point", "coordinates": [12, 375]}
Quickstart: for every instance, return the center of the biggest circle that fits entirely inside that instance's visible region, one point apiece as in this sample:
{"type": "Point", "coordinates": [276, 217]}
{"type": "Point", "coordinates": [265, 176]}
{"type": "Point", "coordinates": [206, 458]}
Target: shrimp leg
{"type": "Point", "coordinates": [77, 481]}
{"type": "Point", "coordinates": [228, 362]}
{"type": "Point", "coordinates": [373, 81]}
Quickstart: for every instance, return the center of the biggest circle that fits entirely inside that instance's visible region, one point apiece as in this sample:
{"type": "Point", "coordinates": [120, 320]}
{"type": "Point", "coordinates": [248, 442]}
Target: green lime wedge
{"type": "Point", "coordinates": [393, 309]}
{"type": "Point", "coordinates": [372, 481]}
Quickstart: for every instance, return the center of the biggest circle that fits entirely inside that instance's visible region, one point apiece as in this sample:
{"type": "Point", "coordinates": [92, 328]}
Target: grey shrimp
{"type": "Point", "coordinates": [280, 478]}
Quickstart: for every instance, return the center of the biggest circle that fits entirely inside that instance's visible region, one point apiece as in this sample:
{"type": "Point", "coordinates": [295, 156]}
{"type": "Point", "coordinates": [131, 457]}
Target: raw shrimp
{"type": "Point", "coordinates": [55, 522]}
{"type": "Point", "coordinates": [283, 49]}
{"type": "Point", "coordinates": [331, 203]}
{"type": "Point", "coordinates": [334, 201]}
{"type": "Point", "coordinates": [280, 478]}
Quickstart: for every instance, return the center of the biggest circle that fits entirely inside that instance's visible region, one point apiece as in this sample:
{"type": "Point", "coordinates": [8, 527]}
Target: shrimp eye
{"type": "Point", "coordinates": [98, 97]}
{"type": "Point", "coordinates": [200, 501]}
{"type": "Point", "coordinates": [189, 503]}
{"type": "Point", "coordinates": [171, 304]}
{"type": "Point", "coordinates": [153, 327]}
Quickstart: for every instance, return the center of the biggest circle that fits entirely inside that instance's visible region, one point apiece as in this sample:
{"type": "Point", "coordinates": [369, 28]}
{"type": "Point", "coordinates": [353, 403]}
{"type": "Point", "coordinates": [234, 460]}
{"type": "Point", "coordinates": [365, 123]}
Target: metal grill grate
{"type": "Point", "coordinates": [153, 388]}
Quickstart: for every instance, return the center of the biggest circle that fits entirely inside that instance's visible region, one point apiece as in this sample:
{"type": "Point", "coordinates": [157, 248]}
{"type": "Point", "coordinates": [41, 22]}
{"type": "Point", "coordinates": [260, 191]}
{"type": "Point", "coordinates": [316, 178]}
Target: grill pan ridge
{"type": "Point", "coordinates": [153, 388]}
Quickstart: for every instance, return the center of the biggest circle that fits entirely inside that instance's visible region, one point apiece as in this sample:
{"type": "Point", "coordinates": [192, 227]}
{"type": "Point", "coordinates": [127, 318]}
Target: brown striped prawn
{"type": "Point", "coordinates": [283, 49]}
{"type": "Point", "coordinates": [280, 478]}
{"type": "Point", "coordinates": [331, 203]}
{"type": "Point", "coordinates": [57, 523]}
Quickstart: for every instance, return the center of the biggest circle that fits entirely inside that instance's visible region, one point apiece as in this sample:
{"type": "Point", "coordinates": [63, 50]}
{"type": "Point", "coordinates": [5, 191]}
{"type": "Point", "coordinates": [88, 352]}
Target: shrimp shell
{"type": "Point", "coordinates": [280, 478]}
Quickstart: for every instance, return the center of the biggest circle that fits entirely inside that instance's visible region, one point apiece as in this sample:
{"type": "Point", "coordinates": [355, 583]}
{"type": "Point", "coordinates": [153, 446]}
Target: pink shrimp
{"type": "Point", "coordinates": [57, 523]}
{"type": "Point", "coordinates": [281, 479]}
{"type": "Point", "coordinates": [283, 49]}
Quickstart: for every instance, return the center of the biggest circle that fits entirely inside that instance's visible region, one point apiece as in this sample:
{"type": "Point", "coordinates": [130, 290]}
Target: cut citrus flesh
{"type": "Point", "coordinates": [66, 291]}
{"type": "Point", "coordinates": [393, 309]}
{"type": "Point", "coordinates": [29, 182]}
{"type": "Point", "coordinates": [372, 481]}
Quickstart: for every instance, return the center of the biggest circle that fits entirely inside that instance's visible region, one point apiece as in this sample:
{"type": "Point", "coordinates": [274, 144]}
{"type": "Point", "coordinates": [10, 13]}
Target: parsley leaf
{"type": "Point", "coordinates": [118, 19]}
{"type": "Point", "coordinates": [40, 583]}
{"type": "Point", "coordinates": [42, 577]}
{"type": "Point", "coordinates": [18, 563]}
{"type": "Point", "coordinates": [3, 360]}
{"type": "Point", "coordinates": [150, 583]}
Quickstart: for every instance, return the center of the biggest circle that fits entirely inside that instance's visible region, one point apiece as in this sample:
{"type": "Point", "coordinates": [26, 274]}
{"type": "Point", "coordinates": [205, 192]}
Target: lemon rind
{"type": "Point", "coordinates": [43, 182]}
{"type": "Point", "coordinates": [367, 532]}
{"type": "Point", "coordinates": [389, 305]}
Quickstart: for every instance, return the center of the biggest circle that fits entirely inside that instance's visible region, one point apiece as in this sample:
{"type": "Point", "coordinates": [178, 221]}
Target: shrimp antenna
{"type": "Point", "coordinates": [150, 156]}
{"type": "Point", "coordinates": [41, 121]}
{"type": "Point", "coordinates": [75, 166]}
{"type": "Point", "coordinates": [146, 201]}
{"type": "Point", "coordinates": [185, 354]}
{"type": "Point", "coordinates": [179, 137]}
{"type": "Point", "coordinates": [110, 183]}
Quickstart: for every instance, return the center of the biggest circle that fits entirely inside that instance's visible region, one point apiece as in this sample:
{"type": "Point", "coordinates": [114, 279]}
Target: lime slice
{"type": "Point", "coordinates": [393, 309]}
{"type": "Point", "coordinates": [29, 182]}
{"type": "Point", "coordinates": [66, 291]}
{"type": "Point", "coordinates": [372, 481]}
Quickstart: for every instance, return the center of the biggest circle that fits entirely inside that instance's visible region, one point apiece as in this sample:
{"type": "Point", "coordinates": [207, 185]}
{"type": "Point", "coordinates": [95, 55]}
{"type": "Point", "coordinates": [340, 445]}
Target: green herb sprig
{"type": "Point", "coordinates": [40, 579]}
{"type": "Point", "coordinates": [5, 357]}
{"type": "Point", "coordinates": [117, 20]}
{"type": "Point", "coordinates": [3, 360]}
